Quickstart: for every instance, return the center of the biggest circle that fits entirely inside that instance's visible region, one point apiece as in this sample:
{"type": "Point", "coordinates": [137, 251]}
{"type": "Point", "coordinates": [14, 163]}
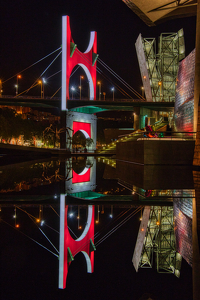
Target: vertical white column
{"type": "Point", "coordinates": [61, 242]}
{"type": "Point", "coordinates": [64, 62]}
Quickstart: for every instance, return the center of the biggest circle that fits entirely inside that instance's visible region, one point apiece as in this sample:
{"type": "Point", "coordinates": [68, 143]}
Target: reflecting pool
{"type": "Point", "coordinates": [96, 228]}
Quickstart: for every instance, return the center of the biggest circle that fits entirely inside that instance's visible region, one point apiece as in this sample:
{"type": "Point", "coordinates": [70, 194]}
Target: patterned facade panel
{"type": "Point", "coordinates": [143, 68]}
{"type": "Point", "coordinates": [183, 233]}
{"type": "Point", "coordinates": [185, 202]}
{"type": "Point", "coordinates": [184, 101]}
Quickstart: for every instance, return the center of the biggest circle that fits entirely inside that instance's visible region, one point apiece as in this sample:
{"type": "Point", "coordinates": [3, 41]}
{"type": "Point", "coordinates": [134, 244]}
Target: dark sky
{"type": "Point", "coordinates": [29, 30]}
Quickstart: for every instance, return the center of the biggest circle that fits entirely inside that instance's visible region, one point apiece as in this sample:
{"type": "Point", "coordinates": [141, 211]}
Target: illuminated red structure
{"type": "Point", "coordinates": [71, 57]}
{"type": "Point", "coordinates": [83, 127]}
{"type": "Point", "coordinates": [84, 176]}
{"type": "Point", "coordinates": [70, 247]}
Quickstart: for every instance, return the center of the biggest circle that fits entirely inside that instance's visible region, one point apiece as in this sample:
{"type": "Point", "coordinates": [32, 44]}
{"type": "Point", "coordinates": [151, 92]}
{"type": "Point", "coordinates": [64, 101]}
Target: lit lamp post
{"type": "Point", "coordinates": [43, 83]}
{"type": "Point", "coordinates": [0, 88]}
{"type": "Point", "coordinates": [99, 83]}
{"type": "Point", "coordinates": [72, 89]}
{"type": "Point", "coordinates": [40, 82]}
{"type": "Point", "coordinates": [17, 86]}
{"type": "Point", "coordinates": [160, 84]}
{"type": "Point", "coordinates": [142, 91]}
{"type": "Point", "coordinates": [113, 93]}
{"type": "Point", "coordinates": [81, 77]}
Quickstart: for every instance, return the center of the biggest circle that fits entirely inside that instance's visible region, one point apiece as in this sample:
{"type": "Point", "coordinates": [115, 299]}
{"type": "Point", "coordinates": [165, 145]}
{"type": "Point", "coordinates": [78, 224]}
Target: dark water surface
{"type": "Point", "coordinates": [36, 197]}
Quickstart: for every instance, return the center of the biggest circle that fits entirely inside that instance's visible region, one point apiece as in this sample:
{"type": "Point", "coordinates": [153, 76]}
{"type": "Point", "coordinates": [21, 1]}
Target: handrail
{"type": "Point", "coordinates": [167, 135]}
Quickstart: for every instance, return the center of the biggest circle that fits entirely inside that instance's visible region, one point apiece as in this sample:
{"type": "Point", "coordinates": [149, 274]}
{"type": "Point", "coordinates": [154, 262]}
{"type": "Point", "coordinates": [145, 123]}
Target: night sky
{"type": "Point", "coordinates": [30, 30]}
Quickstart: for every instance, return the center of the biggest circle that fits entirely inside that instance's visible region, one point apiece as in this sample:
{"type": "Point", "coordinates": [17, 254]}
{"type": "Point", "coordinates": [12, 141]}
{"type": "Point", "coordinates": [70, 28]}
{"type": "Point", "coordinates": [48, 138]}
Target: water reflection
{"type": "Point", "coordinates": [78, 204]}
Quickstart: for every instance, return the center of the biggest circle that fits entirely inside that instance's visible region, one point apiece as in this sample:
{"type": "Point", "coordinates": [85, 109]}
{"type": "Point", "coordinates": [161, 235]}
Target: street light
{"type": "Point", "coordinates": [99, 83]}
{"type": "Point", "coordinates": [142, 88]}
{"type": "Point", "coordinates": [81, 77]}
{"type": "Point", "coordinates": [43, 83]}
{"type": "Point", "coordinates": [160, 84]}
{"type": "Point", "coordinates": [40, 82]}
{"type": "Point", "coordinates": [113, 92]}
{"type": "Point", "coordinates": [1, 88]}
{"type": "Point", "coordinates": [17, 86]}
{"type": "Point", "coordinates": [73, 89]}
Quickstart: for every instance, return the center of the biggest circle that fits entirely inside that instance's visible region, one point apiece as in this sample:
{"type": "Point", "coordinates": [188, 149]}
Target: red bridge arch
{"type": "Point", "coordinates": [71, 57]}
{"type": "Point", "coordinates": [70, 247]}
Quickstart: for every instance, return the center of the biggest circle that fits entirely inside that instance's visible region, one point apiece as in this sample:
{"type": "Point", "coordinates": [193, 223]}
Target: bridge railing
{"type": "Point", "coordinates": [28, 97]}
{"type": "Point", "coordinates": [167, 135]}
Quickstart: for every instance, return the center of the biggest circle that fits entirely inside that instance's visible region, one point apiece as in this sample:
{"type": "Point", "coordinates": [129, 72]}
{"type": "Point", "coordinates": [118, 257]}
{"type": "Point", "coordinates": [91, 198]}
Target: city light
{"type": "Point", "coordinates": [99, 83]}
{"type": "Point", "coordinates": [72, 89]}
{"type": "Point", "coordinates": [17, 86]}
{"type": "Point", "coordinates": [113, 89]}
{"type": "Point", "coordinates": [81, 77]}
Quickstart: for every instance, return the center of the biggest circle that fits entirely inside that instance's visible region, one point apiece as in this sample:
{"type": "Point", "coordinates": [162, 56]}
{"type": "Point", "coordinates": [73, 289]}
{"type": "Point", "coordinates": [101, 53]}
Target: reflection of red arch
{"type": "Point", "coordinates": [71, 57]}
{"type": "Point", "coordinates": [86, 127]}
{"type": "Point", "coordinates": [82, 244]}
{"type": "Point", "coordinates": [77, 178]}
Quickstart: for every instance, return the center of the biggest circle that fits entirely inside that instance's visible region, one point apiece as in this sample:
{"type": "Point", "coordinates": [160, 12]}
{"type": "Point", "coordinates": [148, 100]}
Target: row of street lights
{"type": "Point", "coordinates": [43, 81]}
{"type": "Point", "coordinates": [99, 84]}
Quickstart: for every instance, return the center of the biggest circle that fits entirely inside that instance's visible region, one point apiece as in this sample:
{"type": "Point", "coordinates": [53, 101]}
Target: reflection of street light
{"type": "Point", "coordinates": [0, 88]}
{"type": "Point", "coordinates": [111, 212]}
{"type": "Point", "coordinates": [40, 82]}
{"type": "Point", "coordinates": [113, 92]}
{"type": "Point", "coordinates": [99, 83]}
{"type": "Point", "coordinates": [98, 211]}
{"type": "Point", "coordinates": [142, 88]}
{"type": "Point", "coordinates": [81, 77]}
{"type": "Point", "coordinates": [43, 81]}
{"type": "Point", "coordinates": [72, 89]}
{"type": "Point", "coordinates": [18, 77]}
{"type": "Point", "coordinates": [160, 84]}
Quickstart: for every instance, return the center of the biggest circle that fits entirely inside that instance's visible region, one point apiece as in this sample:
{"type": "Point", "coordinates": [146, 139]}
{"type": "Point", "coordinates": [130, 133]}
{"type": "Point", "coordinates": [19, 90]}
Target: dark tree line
{"type": "Point", "coordinates": [12, 125]}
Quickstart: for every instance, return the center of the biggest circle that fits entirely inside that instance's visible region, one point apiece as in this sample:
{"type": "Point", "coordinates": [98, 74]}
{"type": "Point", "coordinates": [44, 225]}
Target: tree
{"type": "Point", "coordinates": [89, 142]}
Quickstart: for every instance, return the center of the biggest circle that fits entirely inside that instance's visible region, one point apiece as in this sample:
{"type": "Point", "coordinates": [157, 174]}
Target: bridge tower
{"type": "Point", "coordinates": [72, 56]}
{"type": "Point", "coordinates": [69, 247]}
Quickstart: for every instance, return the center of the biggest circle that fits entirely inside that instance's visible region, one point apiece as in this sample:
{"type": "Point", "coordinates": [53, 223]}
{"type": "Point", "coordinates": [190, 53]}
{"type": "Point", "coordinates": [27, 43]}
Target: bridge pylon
{"type": "Point", "coordinates": [69, 247]}
{"type": "Point", "coordinates": [72, 56]}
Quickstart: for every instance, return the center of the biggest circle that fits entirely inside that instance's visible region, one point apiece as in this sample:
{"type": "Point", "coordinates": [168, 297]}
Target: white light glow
{"type": "Point", "coordinates": [89, 77]}
{"type": "Point", "coordinates": [91, 42]}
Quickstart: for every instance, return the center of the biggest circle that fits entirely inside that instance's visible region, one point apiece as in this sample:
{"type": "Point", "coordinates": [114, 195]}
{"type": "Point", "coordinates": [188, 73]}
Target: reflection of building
{"type": "Point", "coordinates": [159, 70]}
{"type": "Point", "coordinates": [183, 224]}
{"type": "Point", "coordinates": [156, 241]}
{"type": "Point", "coordinates": [82, 177]}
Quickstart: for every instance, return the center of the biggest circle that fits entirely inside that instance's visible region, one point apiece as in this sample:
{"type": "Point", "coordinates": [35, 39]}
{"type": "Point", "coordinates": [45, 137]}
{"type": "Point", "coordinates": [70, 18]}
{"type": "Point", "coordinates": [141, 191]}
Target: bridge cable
{"type": "Point", "coordinates": [105, 76]}
{"type": "Point", "coordinates": [110, 232]}
{"type": "Point", "coordinates": [31, 238]}
{"type": "Point", "coordinates": [31, 217]}
{"type": "Point", "coordinates": [61, 86]}
{"type": "Point", "coordinates": [98, 233]}
{"type": "Point", "coordinates": [114, 74]}
{"type": "Point", "coordinates": [121, 79]}
{"type": "Point", "coordinates": [44, 71]}
{"type": "Point", "coordinates": [117, 227]}
{"type": "Point", "coordinates": [32, 65]}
